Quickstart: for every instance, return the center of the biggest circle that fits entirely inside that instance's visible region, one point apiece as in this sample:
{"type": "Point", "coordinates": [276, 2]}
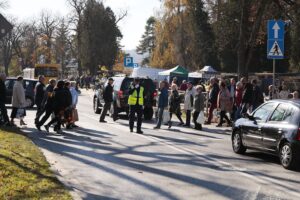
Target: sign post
{"type": "Point", "coordinates": [275, 43]}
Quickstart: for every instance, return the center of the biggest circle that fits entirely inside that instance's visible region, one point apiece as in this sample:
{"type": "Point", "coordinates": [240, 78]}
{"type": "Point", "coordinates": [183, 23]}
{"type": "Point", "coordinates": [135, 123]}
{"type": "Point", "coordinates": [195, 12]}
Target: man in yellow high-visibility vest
{"type": "Point", "coordinates": [136, 103]}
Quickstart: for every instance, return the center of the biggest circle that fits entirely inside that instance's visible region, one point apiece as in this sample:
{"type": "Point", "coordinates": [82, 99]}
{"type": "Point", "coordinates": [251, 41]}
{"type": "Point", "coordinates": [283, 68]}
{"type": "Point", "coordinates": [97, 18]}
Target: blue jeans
{"type": "Point", "coordinates": [160, 117]}
{"type": "Point", "coordinates": [237, 114]}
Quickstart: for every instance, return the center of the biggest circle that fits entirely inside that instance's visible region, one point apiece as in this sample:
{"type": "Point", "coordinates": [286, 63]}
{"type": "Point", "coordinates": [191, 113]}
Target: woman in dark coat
{"type": "Point", "coordinates": [60, 103]}
{"type": "Point", "coordinates": [174, 102]}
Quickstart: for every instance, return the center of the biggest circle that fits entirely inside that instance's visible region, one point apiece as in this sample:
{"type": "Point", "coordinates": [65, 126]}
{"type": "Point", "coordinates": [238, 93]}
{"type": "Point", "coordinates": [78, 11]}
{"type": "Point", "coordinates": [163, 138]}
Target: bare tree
{"type": "Point", "coordinates": [47, 29]}
{"type": "Point", "coordinates": [10, 44]}
{"type": "Point", "coordinates": [78, 6]}
{"type": "Point", "coordinates": [62, 44]}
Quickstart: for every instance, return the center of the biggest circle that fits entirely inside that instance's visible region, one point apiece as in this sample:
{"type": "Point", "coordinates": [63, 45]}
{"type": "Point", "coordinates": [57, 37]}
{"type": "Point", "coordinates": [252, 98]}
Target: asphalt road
{"type": "Point", "coordinates": [106, 161]}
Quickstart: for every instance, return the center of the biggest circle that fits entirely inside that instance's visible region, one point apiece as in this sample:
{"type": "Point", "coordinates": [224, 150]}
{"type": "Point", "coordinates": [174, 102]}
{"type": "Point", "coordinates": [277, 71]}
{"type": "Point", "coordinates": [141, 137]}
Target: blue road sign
{"type": "Point", "coordinates": [276, 30]}
{"type": "Point", "coordinates": [275, 39]}
{"type": "Point", "coordinates": [135, 65]}
{"type": "Point", "coordinates": [128, 62]}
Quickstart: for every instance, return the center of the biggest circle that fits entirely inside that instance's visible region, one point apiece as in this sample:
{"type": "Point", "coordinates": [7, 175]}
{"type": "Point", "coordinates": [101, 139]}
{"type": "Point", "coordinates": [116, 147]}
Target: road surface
{"type": "Point", "coordinates": [106, 161]}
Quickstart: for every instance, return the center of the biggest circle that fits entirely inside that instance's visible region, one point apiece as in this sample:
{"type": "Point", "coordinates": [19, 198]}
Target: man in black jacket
{"type": "Point", "coordinates": [108, 99]}
{"type": "Point", "coordinates": [258, 97]}
{"type": "Point", "coordinates": [38, 98]}
{"type": "Point", "coordinates": [47, 103]}
{"type": "Point", "coordinates": [247, 96]}
{"type": "Point", "coordinates": [3, 98]}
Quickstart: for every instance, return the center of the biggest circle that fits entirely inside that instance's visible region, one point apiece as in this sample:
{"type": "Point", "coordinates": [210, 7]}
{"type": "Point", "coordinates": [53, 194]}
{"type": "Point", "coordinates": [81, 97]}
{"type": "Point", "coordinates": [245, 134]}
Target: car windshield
{"type": "Point", "coordinates": [262, 113]}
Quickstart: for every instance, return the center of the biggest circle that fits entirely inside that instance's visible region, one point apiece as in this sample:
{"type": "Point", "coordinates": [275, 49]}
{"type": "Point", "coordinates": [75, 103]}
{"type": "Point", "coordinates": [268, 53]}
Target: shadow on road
{"type": "Point", "coordinates": [74, 145]}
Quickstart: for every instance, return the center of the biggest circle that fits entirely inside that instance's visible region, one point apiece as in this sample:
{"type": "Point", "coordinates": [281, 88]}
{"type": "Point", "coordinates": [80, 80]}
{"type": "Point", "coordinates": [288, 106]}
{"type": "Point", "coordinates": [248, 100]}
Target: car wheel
{"type": "Point", "coordinates": [287, 158]}
{"type": "Point", "coordinates": [29, 102]}
{"type": "Point", "coordinates": [96, 106]}
{"type": "Point", "coordinates": [148, 113]}
{"type": "Point", "coordinates": [237, 143]}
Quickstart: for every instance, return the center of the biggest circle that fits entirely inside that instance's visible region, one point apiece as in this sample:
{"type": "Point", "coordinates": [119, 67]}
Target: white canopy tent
{"type": "Point", "coordinates": [152, 73]}
{"type": "Point", "coordinates": [208, 70]}
{"type": "Point", "coordinates": [195, 75]}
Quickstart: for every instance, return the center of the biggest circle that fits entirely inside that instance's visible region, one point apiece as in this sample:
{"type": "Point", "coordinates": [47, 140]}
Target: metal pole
{"type": "Point", "coordinates": [274, 71]}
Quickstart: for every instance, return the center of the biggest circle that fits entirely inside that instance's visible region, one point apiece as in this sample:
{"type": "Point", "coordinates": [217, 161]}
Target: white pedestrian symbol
{"type": "Point", "coordinates": [275, 50]}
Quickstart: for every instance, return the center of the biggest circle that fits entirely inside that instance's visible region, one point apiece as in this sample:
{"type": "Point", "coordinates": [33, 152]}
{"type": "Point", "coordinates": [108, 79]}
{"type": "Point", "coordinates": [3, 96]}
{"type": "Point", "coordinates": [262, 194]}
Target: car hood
{"type": "Point", "coordinates": [240, 121]}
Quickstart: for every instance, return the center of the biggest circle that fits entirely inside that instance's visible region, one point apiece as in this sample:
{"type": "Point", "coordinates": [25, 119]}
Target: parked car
{"type": "Point", "coordinates": [120, 96]}
{"type": "Point", "coordinates": [29, 85]}
{"type": "Point", "coordinates": [272, 128]}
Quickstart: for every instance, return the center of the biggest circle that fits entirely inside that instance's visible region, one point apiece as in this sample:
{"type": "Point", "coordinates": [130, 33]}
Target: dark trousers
{"type": "Point", "coordinates": [39, 113]}
{"type": "Point", "coordinates": [57, 120]}
{"type": "Point", "coordinates": [178, 115]}
{"type": "Point", "coordinates": [14, 112]}
{"type": "Point", "coordinates": [139, 111]}
{"type": "Point", "coordinates": [4, 112]}
{"type": "Point", "coordinates": [195, 116]}
{"type": "Point", "coordinates": [232, 114]}
{"type": "Point", "coordinates": [45, 117]}
{"type": "Point", "coordinates": [106, 108]}
{"type": "Point", "coordinates": [210, 111]}
{"type": "Point", "coordinates": [160, 117]}
{"type": "Point", "coordinates": [222, 116]}
{"type": "Point", "coordinates": [188, 118]}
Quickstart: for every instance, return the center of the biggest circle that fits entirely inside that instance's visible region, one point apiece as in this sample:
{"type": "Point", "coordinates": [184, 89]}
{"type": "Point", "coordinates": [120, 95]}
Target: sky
{"type": "Point", "coordinates": [132, 26]}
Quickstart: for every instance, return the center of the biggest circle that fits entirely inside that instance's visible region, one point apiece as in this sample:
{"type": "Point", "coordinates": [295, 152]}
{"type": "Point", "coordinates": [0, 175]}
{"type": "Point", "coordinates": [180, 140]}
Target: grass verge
{"type": "Point", "coordinates": [24, 171]}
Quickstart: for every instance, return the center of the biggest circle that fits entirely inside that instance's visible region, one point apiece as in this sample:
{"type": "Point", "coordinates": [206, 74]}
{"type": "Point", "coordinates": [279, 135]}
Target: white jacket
{"type": "Point", "coordinates": [188, 99]}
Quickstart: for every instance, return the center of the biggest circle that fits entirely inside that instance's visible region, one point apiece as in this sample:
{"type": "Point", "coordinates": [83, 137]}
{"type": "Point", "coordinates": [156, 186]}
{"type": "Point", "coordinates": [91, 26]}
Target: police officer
{"type": "Point", "coordinates": [136, 102]}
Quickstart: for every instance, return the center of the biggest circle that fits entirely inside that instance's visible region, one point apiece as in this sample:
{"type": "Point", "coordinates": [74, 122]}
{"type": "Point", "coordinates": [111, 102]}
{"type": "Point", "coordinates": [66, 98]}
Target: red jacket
{"type": "Point", "coordinates": [238, 97]}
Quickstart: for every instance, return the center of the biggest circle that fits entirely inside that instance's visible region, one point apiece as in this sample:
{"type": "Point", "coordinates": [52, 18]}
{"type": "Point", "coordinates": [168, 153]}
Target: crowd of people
{"type": "Point", "coordinates": [229, 98]}
{"type": "Point", "coordinates": [57, 101]}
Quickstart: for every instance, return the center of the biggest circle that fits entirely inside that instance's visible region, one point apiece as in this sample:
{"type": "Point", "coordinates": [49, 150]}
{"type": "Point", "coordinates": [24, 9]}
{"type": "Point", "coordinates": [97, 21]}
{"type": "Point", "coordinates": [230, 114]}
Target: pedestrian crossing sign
{"type": "Point", "coordinates": [275, 39]}
{"type": "Point", "coordinates": [275, 49]}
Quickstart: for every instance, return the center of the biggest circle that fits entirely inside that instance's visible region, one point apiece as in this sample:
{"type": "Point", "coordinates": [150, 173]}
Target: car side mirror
{"type": "Point", "coordinates": [250, 117]}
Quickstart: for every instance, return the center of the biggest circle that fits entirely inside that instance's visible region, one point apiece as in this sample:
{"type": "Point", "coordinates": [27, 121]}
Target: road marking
{"type": "Point", "coordinates": [218, 163]}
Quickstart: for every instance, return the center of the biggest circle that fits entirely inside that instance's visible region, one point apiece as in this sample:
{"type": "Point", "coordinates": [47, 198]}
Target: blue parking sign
{"type": "Point", "coordinates": [128, 62]}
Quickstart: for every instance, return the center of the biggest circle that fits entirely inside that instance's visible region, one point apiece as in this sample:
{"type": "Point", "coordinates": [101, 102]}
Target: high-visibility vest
{"type": "Point", "coordinates": [133, 98]}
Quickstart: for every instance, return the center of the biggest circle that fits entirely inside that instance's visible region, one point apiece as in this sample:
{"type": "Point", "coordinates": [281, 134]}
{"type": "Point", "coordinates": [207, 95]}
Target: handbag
{"type": "Point", "coordinates": [75, 115]}
{"type": "Point", "coordinates": [20, 113]}
{"type": "Point", "coordinates": [166, 116]}
{"type": "Point", "coordinates": [200, 118]}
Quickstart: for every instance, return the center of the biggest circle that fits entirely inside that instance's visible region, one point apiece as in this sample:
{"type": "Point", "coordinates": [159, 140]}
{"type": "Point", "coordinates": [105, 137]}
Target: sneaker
{"type": "Point", "coordinates": [47, 128]}
{"type": "Point", "coordinates": [156, 127]}
{"type": "Point", "coordinates": [207, 123]}
{"type": "Point", "coordinates": [103, 121]}
{"type": "Point", "coordinates": [219, 125]}
{"type": "Point", "coordinates": [139, 132]}
{"type": "Point", "coordinates": [186, 125]}
{"type": "Point", "coordinates": [170, 125]}
{"type": "Point", "coordinates": [75, 126]}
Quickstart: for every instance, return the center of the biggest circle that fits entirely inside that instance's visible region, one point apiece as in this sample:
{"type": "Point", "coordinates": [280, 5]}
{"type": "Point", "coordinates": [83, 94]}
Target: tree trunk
{"type": "Point", "coordinates": [79, 47]}
{"type": "Point", "coordinates": [255, 29]}
{"type": "Point", "coordinates": [241, 54]}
